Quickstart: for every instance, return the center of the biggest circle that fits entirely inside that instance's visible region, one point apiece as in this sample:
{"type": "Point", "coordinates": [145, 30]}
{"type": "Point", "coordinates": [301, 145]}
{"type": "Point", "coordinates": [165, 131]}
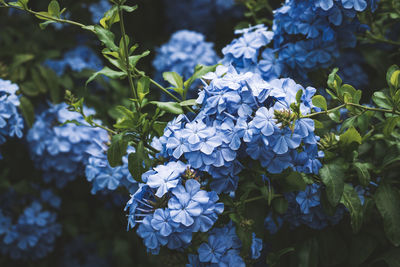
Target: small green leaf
{"type": "Point", "coordinates": [27, 110]}
{"type": "Point", "coordinates": [135, 162]}
{"type": "Point", "coordinates": [106, 37]}
{"type": "Point", "coordinates": [390, 124]}
{"type": "Point", "coordinates": [173, 78]}
{"type": "Point", "coordinates": [129, 8]}
{"type": "Point", "coordinates": [199, 72]}
{"type": "Point", "coordinates": [332, 176]}
{"type": "Point", "coordinates": [299, 94]}
{"type": "Point", "coordinates": [280, 205]}
{"type": "Point", "coordinates": [133, 60]}
{"type": "Point", "coordinates": [54, 9]}
{"type": "Point", "coordinates": [363, 173]}
{"type": "Point", "coordinates": [143, 87]}
{"type": "Point", "coordinates": [117, 150]}
{"type": "Point", "coordinates": [106, 71]}
{"type": "Point", "coordinates": [352, 202]}
{"type": "Point", "coordinates": [395, 79]}
{"type": "Point", "coordinates": [110, 17]}
{"type": "Point", "coordinates": [387, 200]}
{"type": "Point", "coordinates": [171, 107]}
{"type": "Point", "coordinates": [320, 102]}
{"type": "Point", "coordinates": [389, 75]}
{"type": "Point", "coordinates": [307, 253]}
{"type": "Point", "coordinates": [246, 237]}
{"type": "Point", "coordinates": [189, 102]}
{"type": "Point", "coordinates": [382, 100]}
{"type": "Point", "coordinates": [350, 136]}
{"type": "Point", "coordinates": [334, 81]}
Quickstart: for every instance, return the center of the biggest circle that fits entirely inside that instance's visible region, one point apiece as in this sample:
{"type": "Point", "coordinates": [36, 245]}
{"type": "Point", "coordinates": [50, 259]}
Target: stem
{"type": "Point", "coordinates": [250, 200]}
{"type": "Point", "coordinates": [126, 52]}
{"type": "Point", "coordinates": [374, 109]}
{"type": "Point", "coordinates": [380, 39]}
{"type": "Point", "coordinates": [323, 112]}
{"type": "Point", "coordinates": [46, 17]}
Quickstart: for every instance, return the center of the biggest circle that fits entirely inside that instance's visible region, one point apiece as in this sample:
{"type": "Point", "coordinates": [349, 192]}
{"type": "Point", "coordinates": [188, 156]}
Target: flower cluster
{"type": "Point", "coordinates": [32, 236]}
{"type": "Point", "coordinates": [244, 116]}
{"type": "Point", "coordinates": [102, 175]}
{"type": "Point", "coordinates": [59, 150]}
{"type": "Point", "coordinates": [170, 205]}
{"type": "Point", "coordinates": [306, 35]}
{"type": "Point", "coordinates": [98, 10]}
{"type": "Point", "coordinates": [77, 59]}
{"type": "Point", "coordinates": [223, 249]}
{"type": "Point", "coordinates": [199, 15]}
{"type": "Point", "coordinates": [11, 122]}
{"type": "Point", "coordinates": [182, 53]}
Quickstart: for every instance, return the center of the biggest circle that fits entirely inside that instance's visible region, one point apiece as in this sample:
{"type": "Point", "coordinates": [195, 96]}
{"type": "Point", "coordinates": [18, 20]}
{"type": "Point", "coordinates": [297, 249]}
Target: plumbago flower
{"type": "Point", "coordinates": [102, 175]}
{"type": "Point", "coordinates": [59, 150]}
{"type": "Point", "coordinates": [170, 206]}
{"type": "Point", "coordinates": [238, 119]}
{"type": "Point", "coordinates": [11, 122]}
{"type": "Point", "coordinates": [306, 35]}
{"type": "Point", "coordinates": [30, 235]}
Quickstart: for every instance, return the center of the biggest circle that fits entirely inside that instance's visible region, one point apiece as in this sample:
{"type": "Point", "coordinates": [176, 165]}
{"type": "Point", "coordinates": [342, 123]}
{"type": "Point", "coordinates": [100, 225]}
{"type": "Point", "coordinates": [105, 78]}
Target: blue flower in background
{"type": "Point", "coordinates": [182, 53]}
{"type": "Point", "coordinates": [32, 236]}
{"type": "Point", "coordinates": [11, 122]}
{"type": "Point", "coordinates": [98, 10]}
{"type": "Point", "coordinates": [308, 198]}
{"type": "Point", "coordinates": [77, 59]}
{"type": "Point", "coordinates": [59, 151]}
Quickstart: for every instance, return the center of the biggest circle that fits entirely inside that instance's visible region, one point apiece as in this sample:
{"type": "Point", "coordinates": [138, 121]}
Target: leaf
{"type": "Point", "coordinates": [363, 173]}
{"type": "Point", "coordinates": [332, 248]}
{"type": "Point", "coordinates": [106, 37]}
{"type": "Point", "coordinates": [394, 80]}
{"type": "Point", "coordinates": [21, 59]}
{"type": "Point", "coordinates": [133, 60]}
{"type": "Point", "coordinates": [280, 205]}
{"type": "Point", "coordinates": [110, 17]}
{"type": "Point", "coordinates": [135, 162]}
{"type": "Point", "coordinates": [294, 182]}
{"type": "Point", "coordinates": [54, 9]}
{"type": "Point", "coordinates": [390, 124]}
{"type": "Point", "coordinates": [173, 78]}
{"type": "Point", "coordinates": [352, 202]}
{"type": "Point", "coordinates": [129, 8]}
{"type": "Point", "coordinates": [299, 94]}
{"type": "Point", "coordinates": [332, 176]}
{"type": "Point", "coordinates": [307, 253]}
{"type": "Point", "coordinates": [387, 200]}
{"type": "Point", "coordinates": [382, 100]}
{"type": "Point", "coordinates": [27, 110]}
{"type": "Point", "coordinates": [189, 102]}
{"type": "Point", "coordinates": [171, 107]}
{"type": "Point", "coordinates": [143, 86]}
{"type": "Point", "coordinates": [350, 136]}
{"type": "Point", "coordinates": [392, 76]}
{"type": "Point", "coordinates": [106, 71]}
{"type": "Point", "coordinates": [334, 80]}
{"type": "Point", "coordinates": [199, 71]}
{"type": "Point", "coordinates": [246, 237]}
{"type": "Point", "coordinates": [117, 150]}
{"type": "Point", "coordinates": [320, 102]}
{"type": "Point", "coordinates": [29, 89]}
{"type": "Point", "coordinates": [361, 247]}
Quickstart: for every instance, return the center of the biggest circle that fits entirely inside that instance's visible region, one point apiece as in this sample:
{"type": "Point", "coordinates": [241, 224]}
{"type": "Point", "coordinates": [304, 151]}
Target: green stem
{"type": "Point", "coordinates": [323, 112]}
{"type": "Point", "coordinates": [45, 16]}
{"type": "Point", "coordinates": [126, 52]}
{"type": "Point", "coordinates": [250, 200]}
{"type": "Point", "coordinates": [380, 39]}
{"type": "Point", "coordinates": [374, 109]}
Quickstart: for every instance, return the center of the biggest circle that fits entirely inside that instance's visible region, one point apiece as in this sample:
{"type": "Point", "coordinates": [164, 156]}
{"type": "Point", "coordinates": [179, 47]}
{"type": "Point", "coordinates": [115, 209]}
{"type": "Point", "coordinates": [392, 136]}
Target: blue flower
{"type": "Point", "coordinates": [98, 10]}
{"type": "Point", "coordinates": [308, 198]}
{"type": "Point", "coordinates": [162, 222]}
{"type": "Point", "coordinates": [256, 247]}
{"type": "Point", "coordinates": [151, 237]}
{"type": "Point", "coordinates": [213, 250]}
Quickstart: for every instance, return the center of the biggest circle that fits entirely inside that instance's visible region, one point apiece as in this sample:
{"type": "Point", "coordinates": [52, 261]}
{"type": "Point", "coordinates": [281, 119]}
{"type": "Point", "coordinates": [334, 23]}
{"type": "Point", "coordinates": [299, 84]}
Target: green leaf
{"type": "Point", "coordinates": [390, 124]}
{"type": "Point", "coordinates": [106, 71]}
{"type": "Point", "coordinates": [135, 162]}
{"type": "Point", "coordinates": [133, 60]}
{"type": "Point", "coordinates": [395, 79]}
{"type": "Point", "coordinates": [320, 102]}
{"type": "Point", "coordinates": [117, 150]}
{"type": "Point", "coordinates": [54, 9]}
{"type": "Point", "coordinates": [350, 136]}
{"type": "Point", "coordinates": [332, 248]}
{"type": "Point", "coordinates": [307, 253]}
{"type": "Point", "coordinates": [382, 100]}
{"type": "Point", "coordinates": [363, 173]}
{"type": "Point", "coordinates": [280, 205]}
{"type": "Point", "coordinates": [352, 202]}
{"type": "Point", "coordinates": [143, 86]}
{"type": "Point", "coordinates": [387, 200]}
{"type": "Point", "coordinates": [106, 37]}
{"type": "Point", "coordinates": [21, 59]}
{"type": "Point", "coordinates": [29, 89]}
{"type": "Point", "coordinates": [27, 110]}
{"type": "Point", "coordinates": [173, 78]}
{"type": "Point", "coordinates": [199, 72]}
{"type": "Point", "coordinates": [361, 247]}
{"type": "Point", "coordinates": [294, 182]}
{"type": "Point", "coordinates": [246, 237]}
{"type": "Point", "coordinates": [129, 8]}
{"type": "Point", "coordinates": [332, 176]}
{"type": "Point", "coordinates": [334, 81]}
{"type": "Point", "coordinates": [171, 107]}
{"type": "Point", "coordinates": [189, 102]}
{"type": "Point", "coordinates": [390, 79]}
{"type": "Point", "coordinates": [335, 116]}
{"type": "Point", "coordinates": [110, 17]}
{"type": "Point", "coordinates": [299, 94]}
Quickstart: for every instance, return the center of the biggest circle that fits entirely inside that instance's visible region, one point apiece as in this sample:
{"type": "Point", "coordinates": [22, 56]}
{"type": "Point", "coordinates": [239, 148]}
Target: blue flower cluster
{"type": "Point", "coordinates": [102, 175]}
{"type": "Point", "coordinates": [305, 208]}
{"type": "Point", "coordinates": [32, 236]}
{"type": "Point", "coordinates": [59, 150]}
{"type": "Point", "coordinates": [182, 53]}
{"type": "Point", "coordinates": [170, 205]}
{"type": "Point", "coordinates": [98, 10]}
{"type": "Point", "coordinates": [199, 15]}
{"type": "Point", "coordinates": [11, 122]}
{"type": "Point", "coordinates": [223, 249]}
{"type": "Point", "coordinates": [77, 59]}
{"type": "Point", "coordinates": [351, 70]}
{"type": "Point", "coordinates": [306, 35]}
{"type": "Point", "coordinates": [238, 119]}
